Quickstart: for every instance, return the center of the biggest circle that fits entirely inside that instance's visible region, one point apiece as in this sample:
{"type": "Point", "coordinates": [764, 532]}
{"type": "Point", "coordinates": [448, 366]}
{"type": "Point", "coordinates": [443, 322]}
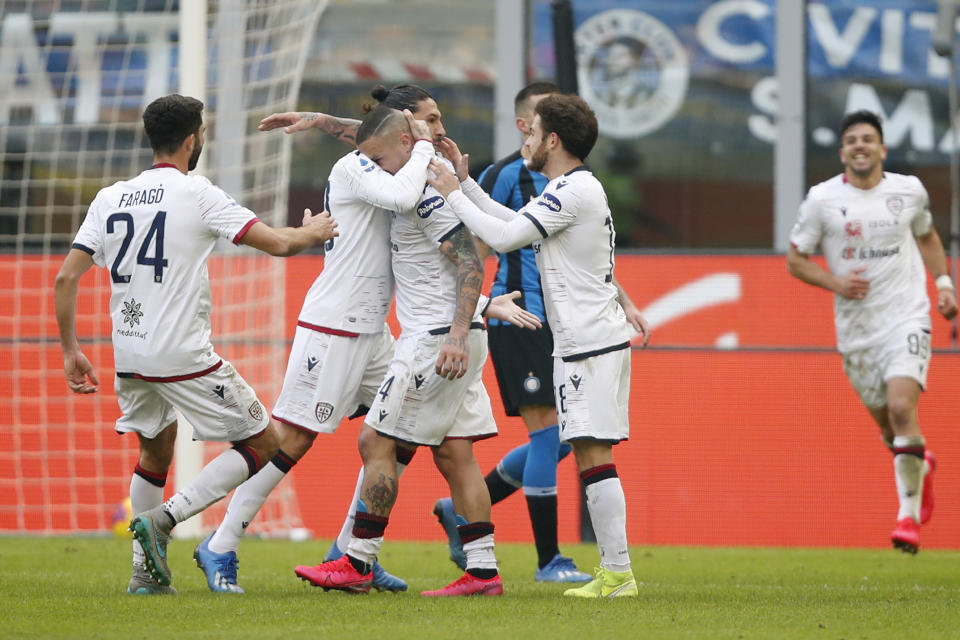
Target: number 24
{"type": "Point", "coordinates": [155, 235]}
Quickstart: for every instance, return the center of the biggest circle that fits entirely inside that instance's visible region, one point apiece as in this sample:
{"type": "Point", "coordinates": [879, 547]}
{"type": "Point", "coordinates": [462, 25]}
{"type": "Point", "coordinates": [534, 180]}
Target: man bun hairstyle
{"type": "Point", "coordinates": [858, 117]}
{"type": "Point", "coordinates": [400, 97]}
{"type": "Point", "coordinates": [572, 120]}
{"type": "Point", "coordinates": [168, 121]}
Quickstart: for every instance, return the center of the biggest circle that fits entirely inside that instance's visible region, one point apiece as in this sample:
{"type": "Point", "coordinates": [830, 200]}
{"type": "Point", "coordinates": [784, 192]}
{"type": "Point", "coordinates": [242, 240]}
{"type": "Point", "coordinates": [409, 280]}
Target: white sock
{"type": "Point", "coordinates": [480, 553]}
{"type": "Point", "coordinates": [217, 479]}
{"type": "Point", "coordinates": [346, 531]}
{"type": "Point", "coordinates": [908, 470]}
{"type": "Point", "coordinates": [144, 496]}
{"type": "Point", "coordinates": [365, 549]}
{"type": "Point", "coordinates": [608, 514]}
{"type": "Point", "coordinates": [243, 508]}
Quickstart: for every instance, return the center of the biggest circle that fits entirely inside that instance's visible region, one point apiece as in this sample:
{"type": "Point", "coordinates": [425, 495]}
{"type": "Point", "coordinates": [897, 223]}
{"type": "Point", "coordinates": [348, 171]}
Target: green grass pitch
{"type": "Point", "coordinates": [74, 588]}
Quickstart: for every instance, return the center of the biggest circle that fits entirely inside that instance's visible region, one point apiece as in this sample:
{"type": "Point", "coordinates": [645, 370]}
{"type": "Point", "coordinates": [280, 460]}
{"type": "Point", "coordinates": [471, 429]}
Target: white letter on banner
{"type": "Point", "coordinates": [156, 27]}
{"type": "Point", "coordinates": [891, 41]}
{"type": "Point", "coordinates": [912, 116]}
{"type": "Point", "coordinates": [840, 48]}
{"type": "Point", "coordinates": [765, 96]}
{"type": "Point", "coordinates": [18, 48]}
{"type": "Point", "coordinates": [708, 30]}
{"type": "Point", "coordinates": [85, 28]}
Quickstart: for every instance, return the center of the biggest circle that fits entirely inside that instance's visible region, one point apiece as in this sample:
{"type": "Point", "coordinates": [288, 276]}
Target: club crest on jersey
{"type": "Point", "coordinates": [550, 201]}
{"type": "Point", "coordinates": [429, 205]}
{"type": "Point", "coordinates": [854, 230]}
{"type": "Point", "coordinates": [323, 411]}
{"type": "Point", "coordinates": [895, 205]}
{"type": "Point", "coordinates": [531, 384]}
{"type": "Point", "coordinates": [131, 312]}
{"type": "Point", "coordinates": [255, 410]}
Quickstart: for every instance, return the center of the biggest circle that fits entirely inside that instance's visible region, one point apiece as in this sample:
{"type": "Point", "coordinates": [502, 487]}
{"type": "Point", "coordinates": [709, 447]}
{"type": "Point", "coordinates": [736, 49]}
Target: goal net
{"type": "Point", "coordinates": [74, 79]}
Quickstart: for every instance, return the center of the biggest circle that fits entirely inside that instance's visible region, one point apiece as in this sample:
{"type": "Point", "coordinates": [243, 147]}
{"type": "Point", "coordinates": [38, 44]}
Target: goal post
{"type": "Point", "coordinates": [73, 85]}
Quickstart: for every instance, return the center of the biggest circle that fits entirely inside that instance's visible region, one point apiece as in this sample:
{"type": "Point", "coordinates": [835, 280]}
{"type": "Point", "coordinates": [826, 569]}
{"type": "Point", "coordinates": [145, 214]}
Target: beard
{"type": "Point", "coordinates": [538, 159]}
{"type": "Point", "coordinates": [194, 158]}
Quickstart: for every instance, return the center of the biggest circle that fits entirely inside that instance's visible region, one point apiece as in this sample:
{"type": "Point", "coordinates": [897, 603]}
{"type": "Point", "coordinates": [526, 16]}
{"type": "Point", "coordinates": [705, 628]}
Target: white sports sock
{"type": "Point", "coordinates": [608, 514]}
{"type": "Point", "coordinates": [217, 479]}
{"type": "Point", "coordinates": [346, 531]}
{"type": "Point", "coordinates": [365, 549]}
{"type": "Point", "coordinates": [908, 470]}
{"type": "Point", "coordinates": [243, 508]}
{"type": "Point", "coordinates": [143, 497]}
{"type": "Point", "coordinates": [480, 553]}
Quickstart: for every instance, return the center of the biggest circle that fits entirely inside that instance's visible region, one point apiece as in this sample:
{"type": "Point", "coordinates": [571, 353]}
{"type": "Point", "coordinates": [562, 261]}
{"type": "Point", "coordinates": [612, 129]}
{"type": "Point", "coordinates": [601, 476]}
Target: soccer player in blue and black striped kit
{"type": "Point", "coordinates": [523, 362]}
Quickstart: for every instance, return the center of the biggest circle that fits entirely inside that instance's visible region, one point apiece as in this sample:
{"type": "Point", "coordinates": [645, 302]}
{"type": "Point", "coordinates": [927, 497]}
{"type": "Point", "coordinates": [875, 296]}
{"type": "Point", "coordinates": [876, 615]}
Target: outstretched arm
{"type": "Point", "coordinates": [500, 227]}
{"type": "Point", "coordinates": [342, 129]}
{"type": "Point", "coordinates": [288, 241]}
{"type": "Point", "coordinates": [76, 367]}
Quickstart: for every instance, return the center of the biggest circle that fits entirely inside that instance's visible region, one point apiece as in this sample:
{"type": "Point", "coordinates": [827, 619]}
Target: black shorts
{"type": "Point", "coordinates": [523, 361]}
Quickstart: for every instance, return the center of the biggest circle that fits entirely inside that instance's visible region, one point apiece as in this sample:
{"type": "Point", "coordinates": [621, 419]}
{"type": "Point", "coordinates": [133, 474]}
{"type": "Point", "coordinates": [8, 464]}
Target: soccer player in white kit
{"type": "Point", "coordinates": [342, 345]}
{"type": "Point", "coordinates": [432, 395]}
{"type": "Point", "coordinates": [154, 233]}
{"type": "Point", "coordinates": [573, 237]}
{"type": "Point", "coordinates": [877, 236]}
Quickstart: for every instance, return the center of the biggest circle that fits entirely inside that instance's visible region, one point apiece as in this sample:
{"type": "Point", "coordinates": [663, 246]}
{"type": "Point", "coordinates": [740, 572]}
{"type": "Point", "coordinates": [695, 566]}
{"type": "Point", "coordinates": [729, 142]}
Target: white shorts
{"type": "Point", "coordinates": [416, 405]}
{"type": "Point", "coordinates": [593, 396]}
{"type": "Point", "coordinates": [904, 354]}
{"type": "Point", "coordinates": [331, 376]}
{"type": "Point", "coordinates": [220, 406]}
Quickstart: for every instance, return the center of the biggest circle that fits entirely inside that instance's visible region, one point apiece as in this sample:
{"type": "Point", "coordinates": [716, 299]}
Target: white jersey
{"type": "Point", "coordinates": [353, 292]}
{"type": "Point", "coordinates": [154, 233]}
{"type": "Point", "coordinates": [575, 259]}
{"type": "Point", "coordinates": [875, 229]}
{"type": "Point", "coordinates": [426, 279]}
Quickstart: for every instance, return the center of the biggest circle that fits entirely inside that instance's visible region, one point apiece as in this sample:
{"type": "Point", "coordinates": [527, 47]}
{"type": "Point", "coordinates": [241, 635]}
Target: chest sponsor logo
{"type": "Point", "coordinates": [550, 201]}
{"type": "Point", "coordinates": [429, 205]}
{"type": "Point", "coordinates": [323, 411]}
{"type": "Point", "coordinates": [895, 205]}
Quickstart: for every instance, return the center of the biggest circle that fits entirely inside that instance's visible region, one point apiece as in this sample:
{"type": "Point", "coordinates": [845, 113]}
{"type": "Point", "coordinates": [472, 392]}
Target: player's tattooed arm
{"type": "Point", "coordinates": [460, 249]}
{"type": "Point", "coordinates": [342, 129]}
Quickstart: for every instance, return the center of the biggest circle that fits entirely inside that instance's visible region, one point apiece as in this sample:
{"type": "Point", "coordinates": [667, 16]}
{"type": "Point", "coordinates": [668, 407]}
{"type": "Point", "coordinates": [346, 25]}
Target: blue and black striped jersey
{"type": "Point", "coordinates": [511, 184]}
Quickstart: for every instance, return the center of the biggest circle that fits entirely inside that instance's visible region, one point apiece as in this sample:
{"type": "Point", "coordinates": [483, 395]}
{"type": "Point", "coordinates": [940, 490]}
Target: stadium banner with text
{"type": "Point", "coordinates": [744, 430]}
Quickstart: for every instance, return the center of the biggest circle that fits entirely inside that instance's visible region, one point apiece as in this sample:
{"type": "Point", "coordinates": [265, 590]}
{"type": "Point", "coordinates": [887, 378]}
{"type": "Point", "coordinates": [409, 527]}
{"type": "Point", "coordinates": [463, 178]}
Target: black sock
{"type": "Point", "coordinates": [498, 487]}
{"type": "Point", "coordinates": [543, 518]}
{"type": "Point", "coordinates": [482, 574]}
{"type": "Point", "coordinates": [362, 567]}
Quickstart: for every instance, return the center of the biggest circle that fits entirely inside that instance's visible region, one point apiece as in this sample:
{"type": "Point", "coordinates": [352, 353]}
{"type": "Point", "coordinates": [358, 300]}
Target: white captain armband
{"type": "Point", "coordinates": [944, 282]}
